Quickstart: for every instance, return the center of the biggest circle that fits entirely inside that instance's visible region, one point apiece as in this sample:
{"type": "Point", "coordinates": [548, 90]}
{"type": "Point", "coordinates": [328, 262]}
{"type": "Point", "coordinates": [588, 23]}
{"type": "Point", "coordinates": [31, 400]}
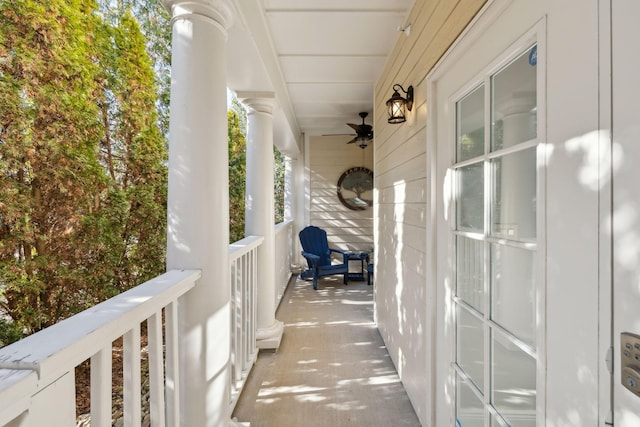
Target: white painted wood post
{"type": "Point", "coordinates": [51, 406]}
{"type": "Point", "coordinates": [172, 368]}
{"type": "Point", "coordinates": [198, 204]}
{"type": "Point", "coordinates": [156, 371]}
{"type": "Point", "coordinates": [101, 387]}
{"type": "Point", "coordinates": [259, 210]}
{"type": "Point", "coordinates": [132, 378]}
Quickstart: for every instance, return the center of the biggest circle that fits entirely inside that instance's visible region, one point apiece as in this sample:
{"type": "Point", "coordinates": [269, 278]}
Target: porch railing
{"type": "Point", "coordinates": [37, 373]}
{"type": "Point", "coordinates": [243, 257]}
{"type": "Point", "coordinates": [284, 246]}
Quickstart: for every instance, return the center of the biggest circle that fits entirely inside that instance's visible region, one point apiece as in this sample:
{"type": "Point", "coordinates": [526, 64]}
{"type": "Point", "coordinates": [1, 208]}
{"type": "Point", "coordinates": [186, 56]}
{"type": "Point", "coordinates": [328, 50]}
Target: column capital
{"type": "Point", "coordinates": [258, 102]}
{"type": "Point", "coordinates": [220, 11]}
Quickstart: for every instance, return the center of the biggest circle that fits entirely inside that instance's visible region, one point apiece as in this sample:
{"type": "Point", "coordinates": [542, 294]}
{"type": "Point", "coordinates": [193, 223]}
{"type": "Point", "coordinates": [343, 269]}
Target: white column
{"type": "Point", "coordinates": [259, 211]}
{"type": "Point", "coordinates": [198, 205]}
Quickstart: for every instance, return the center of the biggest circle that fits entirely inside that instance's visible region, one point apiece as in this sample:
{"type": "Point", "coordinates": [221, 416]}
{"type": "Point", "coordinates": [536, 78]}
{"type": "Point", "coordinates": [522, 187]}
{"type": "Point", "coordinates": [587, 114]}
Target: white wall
{"type": "Point", "coordinates": [400, 294]}
{"type": "Point", "coordinates": [328, 158]}
{"type": "Point", "coordinates": [401, 208]}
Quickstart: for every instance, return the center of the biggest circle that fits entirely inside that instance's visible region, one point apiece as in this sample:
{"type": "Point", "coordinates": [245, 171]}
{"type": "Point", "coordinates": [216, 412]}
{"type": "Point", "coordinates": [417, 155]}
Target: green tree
{"type": "Point", "coordinates": [82, 161]}
{"type": "Point", "coordinates": [279, 167]}
{"type": "Point", "coordinates": [136, 139]}
{"type": "Point", "coordinates": [51, 178]}
{"type": "Point", "coordinates": [237, 130]}
{"type": "Point", "coordinates": [154, 23]}
{"type": "Point", "coordinates": [237, 169]}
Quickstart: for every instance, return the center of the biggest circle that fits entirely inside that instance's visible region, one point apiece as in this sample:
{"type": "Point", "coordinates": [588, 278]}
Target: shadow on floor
{"type": "Point", "coordinates": [332, 367]}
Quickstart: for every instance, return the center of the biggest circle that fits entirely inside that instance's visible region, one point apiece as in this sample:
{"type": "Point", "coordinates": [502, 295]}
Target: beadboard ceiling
{"type": "Point", "coordinates": [321, 58]}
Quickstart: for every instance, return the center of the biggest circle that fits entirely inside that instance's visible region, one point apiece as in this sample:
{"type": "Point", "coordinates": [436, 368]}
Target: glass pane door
{"type": "Point", "coordinates": [496, 247]}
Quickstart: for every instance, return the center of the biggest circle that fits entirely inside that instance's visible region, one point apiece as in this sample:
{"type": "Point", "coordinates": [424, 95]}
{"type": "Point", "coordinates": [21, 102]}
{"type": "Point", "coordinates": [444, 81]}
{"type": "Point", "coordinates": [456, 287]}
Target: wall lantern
{"type": "Point", "coordinates": [396, 104]}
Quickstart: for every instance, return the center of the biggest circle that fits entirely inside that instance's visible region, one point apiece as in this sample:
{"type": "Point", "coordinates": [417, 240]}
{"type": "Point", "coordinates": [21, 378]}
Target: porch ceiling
{"type": "Point", "coordinates": [321, 58]}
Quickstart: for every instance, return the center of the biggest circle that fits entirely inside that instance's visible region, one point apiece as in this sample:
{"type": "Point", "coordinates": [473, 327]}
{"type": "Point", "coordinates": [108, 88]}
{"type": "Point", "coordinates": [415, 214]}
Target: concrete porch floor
{"type": "Point", "coordinates": [332, 367]}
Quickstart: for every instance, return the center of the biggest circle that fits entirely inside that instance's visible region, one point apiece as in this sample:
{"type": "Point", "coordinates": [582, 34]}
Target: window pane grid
{"type": "Point", "coordinates": [508, 336]}
{"type": "Point", "coordinates": [470, 406]}
{"type": "Point", "coordinates": [499, 228]}
{"type": "Point", "coordinates": [513, 383]}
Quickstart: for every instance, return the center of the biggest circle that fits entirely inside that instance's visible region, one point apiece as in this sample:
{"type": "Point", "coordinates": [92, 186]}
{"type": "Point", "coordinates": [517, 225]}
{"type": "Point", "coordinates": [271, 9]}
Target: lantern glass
{"type": "Point", "coordinates": [396, 107]}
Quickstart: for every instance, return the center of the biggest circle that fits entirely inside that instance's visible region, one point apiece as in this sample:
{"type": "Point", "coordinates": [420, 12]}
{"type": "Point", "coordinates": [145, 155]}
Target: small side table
{"type": "Point", "coordinates": [363, 258]}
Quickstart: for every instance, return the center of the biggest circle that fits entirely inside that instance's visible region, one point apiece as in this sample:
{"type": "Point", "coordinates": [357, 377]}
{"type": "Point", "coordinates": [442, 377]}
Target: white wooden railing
{"type": "Point", "coordinates": [284, 246]}
{"type": "Point", "coordinates": [37, 373]}
{"type": "Point", "coordinates": [243, 257]}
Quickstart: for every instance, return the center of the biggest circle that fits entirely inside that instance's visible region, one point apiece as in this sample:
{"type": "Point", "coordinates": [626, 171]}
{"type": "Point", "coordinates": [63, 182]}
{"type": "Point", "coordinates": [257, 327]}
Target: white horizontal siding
{"type": "Point", "coordinates": [401, 204]}
{"type": "Point", "coordinates": [329, 158]}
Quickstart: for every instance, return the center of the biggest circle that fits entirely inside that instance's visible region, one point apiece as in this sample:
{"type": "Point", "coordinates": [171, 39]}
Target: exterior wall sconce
{"type": "Point", "coordinates": [396, 104]}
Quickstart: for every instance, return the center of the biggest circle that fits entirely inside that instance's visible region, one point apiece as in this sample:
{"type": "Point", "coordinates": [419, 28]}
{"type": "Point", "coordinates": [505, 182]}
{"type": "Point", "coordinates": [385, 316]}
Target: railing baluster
{"type": "Point", "coordinates": [131, 373]}
{"type": "Point", "coordinates": [156, 370]}
{"type": "Point", "coordinates": [173, 364]}
{"type": "Point", "coordinates": [101, 387]}
{"type": "Point", "coordinates": [235, 298]}
{"type": "Point", "coordinates": [246, 305]}
{"type": "Point", "coordinates": [253, 279]}
{"type": "Point", "coordinates": [239, 326]}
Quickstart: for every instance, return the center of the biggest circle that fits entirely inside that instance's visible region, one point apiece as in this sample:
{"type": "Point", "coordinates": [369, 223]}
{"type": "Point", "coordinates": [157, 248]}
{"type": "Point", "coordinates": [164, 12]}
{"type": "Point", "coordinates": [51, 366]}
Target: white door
{"type": "Point", "coordinates": [488, 140]}
{"type": "Point", "coordinates": [515, 113]}
{"type": "Point", "coordinates": [626, 209]}
{"type": "Point", "coordinates": [494, 239]}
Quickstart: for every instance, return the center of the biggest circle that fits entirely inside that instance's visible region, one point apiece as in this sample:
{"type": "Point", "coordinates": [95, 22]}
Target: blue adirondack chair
{"type": "Point", "coordinates": [316, 250]}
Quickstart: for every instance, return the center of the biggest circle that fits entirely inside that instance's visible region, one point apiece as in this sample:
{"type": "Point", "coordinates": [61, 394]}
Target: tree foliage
{"type": "Point", "coordinates": [279, 168]}
{"type": "Point", "coordinates": [134, 151]}
{"type": "Point", "coordinates": [82, 160]}
{"type": "Point", "coordinates": [84, 102]}
{"type": "Point", "coordinates": [237, 130]}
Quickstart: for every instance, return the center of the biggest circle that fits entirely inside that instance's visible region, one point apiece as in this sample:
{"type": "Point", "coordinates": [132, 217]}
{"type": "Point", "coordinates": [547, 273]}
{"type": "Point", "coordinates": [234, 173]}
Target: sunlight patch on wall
{"type": "Point", "coordinates": [400, 189]}
{"type": "Point", "coordinates": [597, 165]}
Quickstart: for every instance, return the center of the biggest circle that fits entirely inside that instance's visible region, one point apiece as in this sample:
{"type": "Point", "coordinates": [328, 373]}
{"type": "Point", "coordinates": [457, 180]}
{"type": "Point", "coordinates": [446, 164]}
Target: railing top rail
{"type": "Point", "coordinates": [283, 225]}
{"type": "Point", "coordinates": [241, 247]}
{"type": "Point", "coordinates": [51, 351]}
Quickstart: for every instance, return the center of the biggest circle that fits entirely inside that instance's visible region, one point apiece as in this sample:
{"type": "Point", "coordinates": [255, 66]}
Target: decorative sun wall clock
{"type": "Point", "coordinates": [355, 188]}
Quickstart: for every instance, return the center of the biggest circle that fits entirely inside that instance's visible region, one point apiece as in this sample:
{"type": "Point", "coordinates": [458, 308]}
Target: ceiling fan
{"type": "Point", "coordinates": [364, 132]}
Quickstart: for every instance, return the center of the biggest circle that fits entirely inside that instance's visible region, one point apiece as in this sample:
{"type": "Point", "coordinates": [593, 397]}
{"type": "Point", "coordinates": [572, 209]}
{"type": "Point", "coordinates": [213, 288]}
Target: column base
{"type": "Point", "coordinates": [269, 338]}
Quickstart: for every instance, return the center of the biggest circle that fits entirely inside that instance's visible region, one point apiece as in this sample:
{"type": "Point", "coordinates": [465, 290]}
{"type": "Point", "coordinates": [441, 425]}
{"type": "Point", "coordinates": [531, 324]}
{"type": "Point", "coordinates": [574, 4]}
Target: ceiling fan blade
{"type": "Point", "coordinates": [354, 127]}
{"type": "Point", "coordinates": [356, 139]}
